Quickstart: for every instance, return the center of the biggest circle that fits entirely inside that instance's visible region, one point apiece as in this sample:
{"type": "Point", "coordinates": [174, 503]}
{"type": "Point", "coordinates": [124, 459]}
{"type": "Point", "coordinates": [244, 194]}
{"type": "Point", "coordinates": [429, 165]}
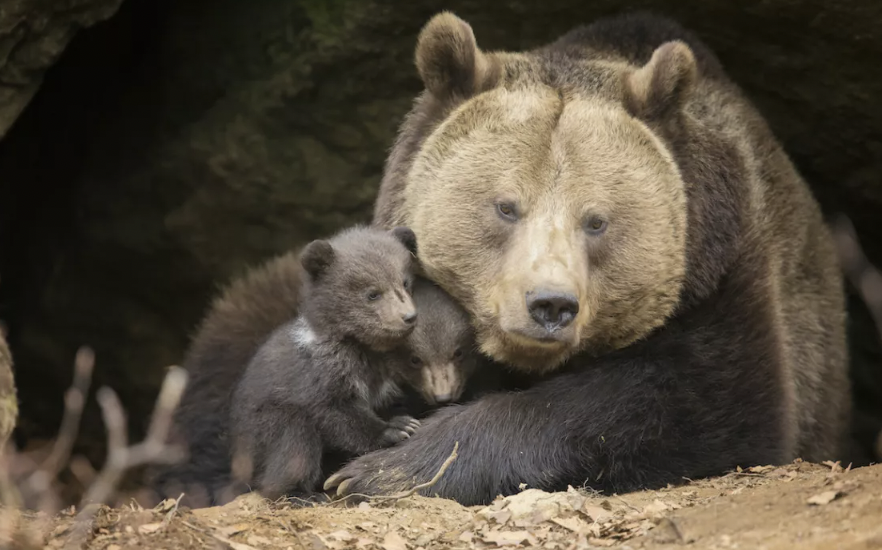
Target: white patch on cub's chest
{"type": "Point", "coordinates": [302, 334]}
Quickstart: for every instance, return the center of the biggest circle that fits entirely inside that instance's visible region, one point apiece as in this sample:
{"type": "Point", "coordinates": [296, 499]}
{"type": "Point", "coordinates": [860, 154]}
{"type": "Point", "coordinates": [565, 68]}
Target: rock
{"type": "Point", "coordinates": [8, 396]}
{"type": "Point", "coordinates": [32, 36]}
{"type": "Point", "coordinates": [175, 144]}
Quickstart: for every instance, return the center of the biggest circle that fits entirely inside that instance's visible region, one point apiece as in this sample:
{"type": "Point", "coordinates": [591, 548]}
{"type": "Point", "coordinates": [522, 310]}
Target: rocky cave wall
{"type": "Point", "coordinates": [177, 142]}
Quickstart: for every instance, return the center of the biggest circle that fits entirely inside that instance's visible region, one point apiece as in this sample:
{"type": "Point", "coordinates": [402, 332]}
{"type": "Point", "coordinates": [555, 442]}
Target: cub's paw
{"type": "Point", "coordinates": [405, 423]}
{"type": "Point", "coordinates": [393, 435]}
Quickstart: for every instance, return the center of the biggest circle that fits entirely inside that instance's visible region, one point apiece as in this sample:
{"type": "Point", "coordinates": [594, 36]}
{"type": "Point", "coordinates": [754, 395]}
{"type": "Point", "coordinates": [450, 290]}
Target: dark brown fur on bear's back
{"type": "Point", "coordinates": [748, 368]}
{"type": "Point", "coordinates": [238, 321]}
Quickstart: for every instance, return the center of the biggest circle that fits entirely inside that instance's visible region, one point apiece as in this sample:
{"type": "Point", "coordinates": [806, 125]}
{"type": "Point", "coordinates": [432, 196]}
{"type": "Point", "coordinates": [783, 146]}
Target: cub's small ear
{"type": "Point", "coordinates": [317, 257]}
{"type": "Point", "coordinates": [407, 237]}
{"type": "Point", "coordinates": [663, 84]}
{"type": "Point", "coordinates": [449, 60]}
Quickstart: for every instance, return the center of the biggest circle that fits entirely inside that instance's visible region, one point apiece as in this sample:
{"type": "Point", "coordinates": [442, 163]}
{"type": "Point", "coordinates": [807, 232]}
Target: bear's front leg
{"type": "Point", "coordinates": [621, 424]}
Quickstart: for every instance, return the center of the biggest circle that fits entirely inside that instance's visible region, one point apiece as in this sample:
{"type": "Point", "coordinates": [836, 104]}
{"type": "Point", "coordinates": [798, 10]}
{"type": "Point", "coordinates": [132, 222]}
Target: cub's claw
{"type": "Point", "coordinates": [394, 435]}
{"type": "Point", "coordinates": [406, 423]}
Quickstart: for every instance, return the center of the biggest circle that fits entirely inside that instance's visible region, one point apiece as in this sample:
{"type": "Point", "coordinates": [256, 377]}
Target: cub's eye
{"type": "Point", "coordinates": [457, 354]}
{"type": "Point", "coordinates": [406, 284]}
{"type": "Point", "coordinates": [416, 361]}
{"type": "Point", "coordinates": [507, 211]}
{"type": "Point", "coordinates": [373, 295]}
{"type": "Point", "coordinates": [595, 225]}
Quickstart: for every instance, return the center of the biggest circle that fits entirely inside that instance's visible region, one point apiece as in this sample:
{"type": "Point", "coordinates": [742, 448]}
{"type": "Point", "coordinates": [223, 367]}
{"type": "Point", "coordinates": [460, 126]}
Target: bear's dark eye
{"type": "Point", "coordinates": [595, 225]}
{"type": "Point", "coordinates": [373, 295]}
{"type": "Point", "coordinates": [507, 211]}
{"type": "Point", "coordinates": [457, 354]}
{"type": "Point", "coordinates": [406, 284]}
{"type": "Point", "coordinates": [416, 361]}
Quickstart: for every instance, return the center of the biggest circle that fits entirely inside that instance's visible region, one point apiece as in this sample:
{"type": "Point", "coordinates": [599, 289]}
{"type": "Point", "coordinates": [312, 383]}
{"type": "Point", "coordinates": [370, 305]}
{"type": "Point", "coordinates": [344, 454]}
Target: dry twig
{"type": "Point", "coordinates": [865, 278]}
{"type": "Point", "coordinates": [120, 456]}
{"type": "Point", "coordinates": [37, 486]}
{"type": "Point", "coordinates": [412, 491]}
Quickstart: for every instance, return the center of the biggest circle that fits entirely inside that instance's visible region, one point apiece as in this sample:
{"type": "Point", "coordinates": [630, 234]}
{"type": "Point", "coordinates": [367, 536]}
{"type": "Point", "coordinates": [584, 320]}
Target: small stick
{"type": "Point", "coordinates": [37, 485]}
{"type": "Point", "coordinates": [171, 513]}
{"type": "Point", "coordinates": [865, 278]}
{"type": "Point", "coordinates": [412, 491]}
{"type": "Point", "coordinates": [121, 457]}
{"type": "Point", "coordinates": [74, 401]}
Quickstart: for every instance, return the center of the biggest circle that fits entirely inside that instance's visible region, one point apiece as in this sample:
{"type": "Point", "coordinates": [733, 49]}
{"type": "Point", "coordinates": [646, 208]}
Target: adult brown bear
{"type": "Point", "coordinates": [617, 217]}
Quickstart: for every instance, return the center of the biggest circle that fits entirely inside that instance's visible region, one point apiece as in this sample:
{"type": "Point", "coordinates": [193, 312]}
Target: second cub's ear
{"type": "Point", "coordinates": [407, 237]}
{"type": "Point", "coordinates": [449, 60]}
{"type": "Point", "coordinates": [663, 84]}
{"type": "Point", "coordinates": [317, 257]}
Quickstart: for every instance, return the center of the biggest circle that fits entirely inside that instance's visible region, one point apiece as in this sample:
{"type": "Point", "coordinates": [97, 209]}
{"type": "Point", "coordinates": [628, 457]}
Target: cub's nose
{"type": "Point", "coordinates": [443, 398]}
{"type": "Point", "coordinates": [409, 318]}
{"type": "Point", "coordinates": [552, 310]}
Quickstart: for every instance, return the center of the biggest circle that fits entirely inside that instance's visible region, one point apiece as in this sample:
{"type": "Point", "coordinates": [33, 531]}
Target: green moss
{"type": "Point", "coordinates": [330, 18]}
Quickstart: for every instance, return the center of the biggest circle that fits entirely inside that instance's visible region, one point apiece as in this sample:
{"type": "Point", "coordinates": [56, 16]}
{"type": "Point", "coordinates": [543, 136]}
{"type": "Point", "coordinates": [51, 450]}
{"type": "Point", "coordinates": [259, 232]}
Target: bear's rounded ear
{"type": "Point", "coordinates": [663, 84]}
{"type": "Point", "coordinates": [317, 257]}
{"type": "Point", "coordinates": [407, 237]}
{"type": "Point", "coordinates": [449, 60]}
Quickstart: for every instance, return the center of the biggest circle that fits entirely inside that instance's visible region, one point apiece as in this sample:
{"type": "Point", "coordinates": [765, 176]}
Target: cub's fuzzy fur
{"type": "Point", "coordinates": [615, 216]}
{"type": "Point", "coordinates": [317, 382]}
{"type": "Point", "coordinates": [238, 321]}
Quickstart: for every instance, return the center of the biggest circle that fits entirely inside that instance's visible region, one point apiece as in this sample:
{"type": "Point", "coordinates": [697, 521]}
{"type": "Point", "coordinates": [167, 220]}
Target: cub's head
{"type": "Point", "coordinates": [440, 353]}
{"type": "Point", "coordinates": [358, 285]}
{"type": "Point", "coordinates": [542, 198]}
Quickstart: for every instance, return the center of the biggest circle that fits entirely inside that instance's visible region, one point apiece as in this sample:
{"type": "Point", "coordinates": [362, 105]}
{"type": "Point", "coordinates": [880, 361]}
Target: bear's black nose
{"type": "Point", "coordinates": [409, 318]}
{"type": "Point", "coordinates": [552, 310]}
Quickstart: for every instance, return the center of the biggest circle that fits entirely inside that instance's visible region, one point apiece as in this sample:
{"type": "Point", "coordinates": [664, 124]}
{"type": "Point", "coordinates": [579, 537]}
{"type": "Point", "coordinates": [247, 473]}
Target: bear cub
{"type": "Point", "coordinates": [316, 384]}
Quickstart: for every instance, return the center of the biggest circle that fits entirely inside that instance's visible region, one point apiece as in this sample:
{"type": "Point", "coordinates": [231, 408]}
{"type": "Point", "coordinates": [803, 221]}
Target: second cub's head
{"type": "Point", "coordinates": [358, 285]}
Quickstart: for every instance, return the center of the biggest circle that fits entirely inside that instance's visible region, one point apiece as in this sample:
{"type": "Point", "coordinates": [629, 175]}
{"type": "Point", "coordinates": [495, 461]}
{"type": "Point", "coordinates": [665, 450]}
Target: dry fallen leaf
{"type": "Point", "coordinates": [232, 544]}
{"type": "Point", "coordinates": [231, 530]}
{"type": "Point", "coordinates": [257, 540]}
{"type": "Point", "coordinates": [342, 535]}
{"type": "Point", "coordinates": [393, 541]}
{"type": "Point", "coordinates": [655, 508]}
{"type": "Point", "coordinates": [500, 517]}
{"type": "Point", "coordinates": [573, 524]}
{"type": "Point", "coordinates": [148, 528]}
{"type": "Point", "coordinates": [466, 536]}
{"type": "Point", "coordinates": [596, 513]}
{"type": "Point", "coordinates": [823, 498]}
{"type": "Point", "coordinates": [509, 538]}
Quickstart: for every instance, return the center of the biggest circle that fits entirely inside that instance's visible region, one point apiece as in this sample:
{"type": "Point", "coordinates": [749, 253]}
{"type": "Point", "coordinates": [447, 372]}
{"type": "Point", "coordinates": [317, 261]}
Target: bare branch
{"type": "Point", "coordinates": [865, 278]}
{"type": "Point", "coordinates": [74, 402]}
{"type": "Point", "coordinates": [121, 457]}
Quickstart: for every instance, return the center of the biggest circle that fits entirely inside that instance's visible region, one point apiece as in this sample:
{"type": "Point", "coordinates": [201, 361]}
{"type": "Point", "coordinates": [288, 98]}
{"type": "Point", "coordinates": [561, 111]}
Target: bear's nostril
{"type": "Point", "coordinates": [409, 317]}
{"type": "Point", "coordinates": [552, 310]}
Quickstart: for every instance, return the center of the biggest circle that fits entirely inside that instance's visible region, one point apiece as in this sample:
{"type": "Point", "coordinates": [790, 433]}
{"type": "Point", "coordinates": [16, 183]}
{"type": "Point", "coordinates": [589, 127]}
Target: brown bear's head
{"type": "Point", "coordinates": [541, 194]}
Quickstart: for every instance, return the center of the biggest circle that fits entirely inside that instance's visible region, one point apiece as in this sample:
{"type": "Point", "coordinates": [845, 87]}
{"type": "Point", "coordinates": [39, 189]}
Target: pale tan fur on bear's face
{"type": "Point", "coordinates": [561, 160]}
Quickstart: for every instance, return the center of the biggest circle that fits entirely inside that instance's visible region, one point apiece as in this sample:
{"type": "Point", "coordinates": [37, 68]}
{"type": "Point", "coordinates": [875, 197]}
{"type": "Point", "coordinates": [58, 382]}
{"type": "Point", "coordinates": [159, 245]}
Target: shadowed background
{"type": "Point", "coordinates": [158, 151]}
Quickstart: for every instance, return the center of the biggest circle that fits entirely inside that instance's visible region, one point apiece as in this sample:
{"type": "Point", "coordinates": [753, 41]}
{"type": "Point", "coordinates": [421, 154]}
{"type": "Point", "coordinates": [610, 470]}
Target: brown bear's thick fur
{"type": "Point", "coordinates": [238, 321]}
{"type": "Point", "coordinates": [615, 215]}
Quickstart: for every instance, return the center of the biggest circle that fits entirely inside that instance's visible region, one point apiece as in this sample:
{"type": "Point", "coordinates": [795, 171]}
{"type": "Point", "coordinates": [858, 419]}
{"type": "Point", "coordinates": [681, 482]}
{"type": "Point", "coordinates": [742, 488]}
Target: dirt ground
{"type": "Point", "coordinates": [801, 505]}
